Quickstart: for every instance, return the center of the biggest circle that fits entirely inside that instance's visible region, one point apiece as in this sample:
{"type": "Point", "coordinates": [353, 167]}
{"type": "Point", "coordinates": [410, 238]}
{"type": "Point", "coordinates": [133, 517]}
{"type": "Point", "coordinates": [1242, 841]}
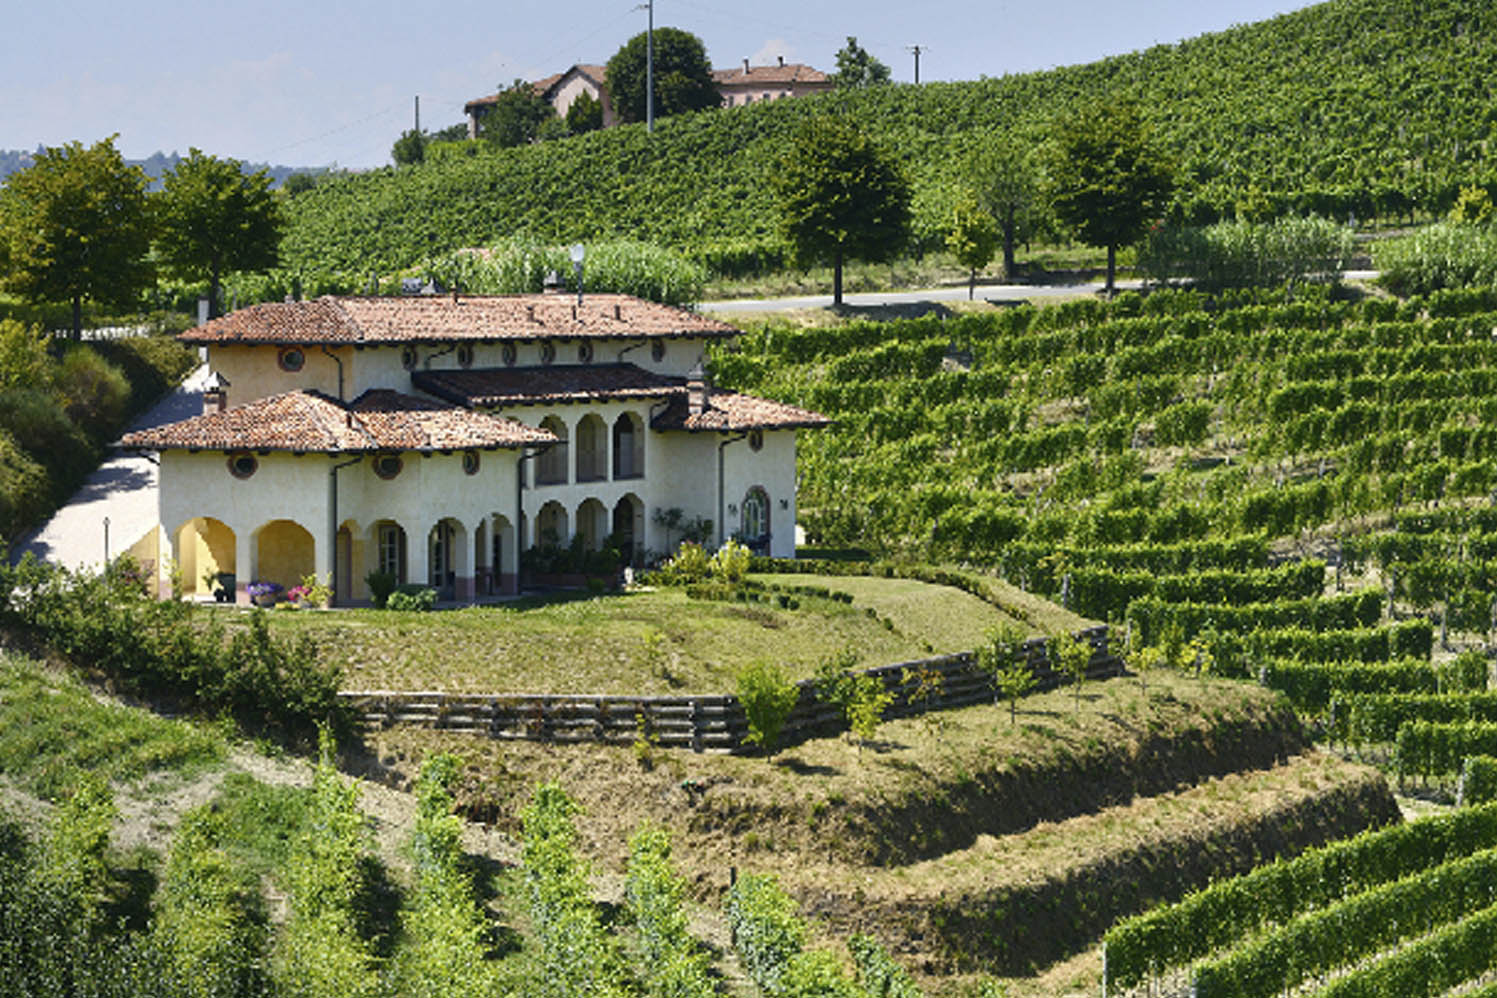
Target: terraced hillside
{"type": "Point", "coordinates": [1377, 107]}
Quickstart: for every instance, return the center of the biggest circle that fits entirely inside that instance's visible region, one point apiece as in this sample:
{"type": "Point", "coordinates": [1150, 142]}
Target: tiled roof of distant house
{"type": "Point", "coordinates": [504, 386]}
{"type": "Point", "coordinates": [729, 411]}
{"type": "Point", "coordinates": [441, 318]}
{"type": "Point", "coordinates": [543, 87]}
{"type": "Point", "coordinates": [311, 422]}
{"type": "Point", "coordinates": [783, 73]}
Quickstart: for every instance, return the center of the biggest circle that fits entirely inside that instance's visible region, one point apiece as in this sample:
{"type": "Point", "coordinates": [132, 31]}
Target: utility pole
{"type": "Point", "coordinates": [418, 108]}
{"type": "Point", "coordinates": [917, 50]}
{"type": "Point", "coordinates": [650, 68]}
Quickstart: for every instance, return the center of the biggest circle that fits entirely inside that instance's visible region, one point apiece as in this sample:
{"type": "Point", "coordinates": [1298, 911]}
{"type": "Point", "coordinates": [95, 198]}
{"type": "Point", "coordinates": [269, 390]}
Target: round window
{"type": "Point", "coordinates": [408, 358]}
{"type": "Point", "coordinates": [243, 465]}
{"type": "Point", "coordinates": [387, 466]}
{"type": "Point", "coordinates": [470, 462]}
{"type": "Point", "coordinates": [292, 359]}
{"type": "Point", "coordinates": [509, 353]}
{"type": "Point", "coordinates": [756, 439]}
{"type": "Point", "coordinates": [585, 353]}
{"type": "Point", "coordinates": [657, 351]}
{"type": "Point", "coordinates": [465, 355]}
{"type": "Point", "coordinates": [548, 352]}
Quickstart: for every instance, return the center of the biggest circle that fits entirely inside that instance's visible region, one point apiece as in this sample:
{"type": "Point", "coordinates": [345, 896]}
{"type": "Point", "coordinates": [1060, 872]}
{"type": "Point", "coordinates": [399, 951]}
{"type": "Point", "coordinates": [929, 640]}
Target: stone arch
{"type": "Point", "coordinates": [628, 523]}
{"type": "Point", "coordinates": [592, 524]}
{"type": "Point", "coordinates": [551, 466]}
{"type": "Point", "coordinates": [592, 448]}
{"type": "Point", "coordinates": [551, 527]}
{"type": "Point", "coordinates": [204, 549]}
{"type": "Point", "coordinates": [285, 552]}
{"type": "Point", "coordinates": [628, 446]}
{"type": "Point", "coordinates": [497, 556]}
{"type": "Point", "coordinates": [348, 556]}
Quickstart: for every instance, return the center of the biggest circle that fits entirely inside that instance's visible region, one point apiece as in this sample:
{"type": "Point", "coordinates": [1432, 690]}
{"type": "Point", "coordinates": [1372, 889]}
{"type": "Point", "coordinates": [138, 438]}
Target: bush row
{"type": "Point", "coordinates": [1362, 718]}
{"type": "Point", "coordinates": [1151, 616]}
{"type": "Point", "coordinates": [1431, 748]}
{"type": "Point", "coordinates": [1311, 686]}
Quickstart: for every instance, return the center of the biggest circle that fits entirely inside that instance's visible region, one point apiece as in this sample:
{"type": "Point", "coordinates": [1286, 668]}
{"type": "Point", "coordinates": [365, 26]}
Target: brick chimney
{"type": "Point", "coordinates": [782, 61]}
{"type": "Point", "coordinates": [215, 393]}
{"type": "Point", "coordinates": [745, 67]}
{"type": "Point", "coordinates": [698, 391]}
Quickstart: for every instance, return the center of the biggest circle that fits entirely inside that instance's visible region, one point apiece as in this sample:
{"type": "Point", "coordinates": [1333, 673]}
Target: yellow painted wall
{"type": "Point", "coordinates": [204, 545]}
{"type": "Point", "coordinates": [286, 554]}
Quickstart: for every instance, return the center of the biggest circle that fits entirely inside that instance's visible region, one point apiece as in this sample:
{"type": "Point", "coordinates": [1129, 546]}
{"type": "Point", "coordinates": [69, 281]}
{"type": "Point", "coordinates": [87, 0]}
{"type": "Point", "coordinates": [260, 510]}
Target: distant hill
{"type": "Point", "coordinates": [12, 160]}
{"type": "Point", "coordinates": [1365, 106]}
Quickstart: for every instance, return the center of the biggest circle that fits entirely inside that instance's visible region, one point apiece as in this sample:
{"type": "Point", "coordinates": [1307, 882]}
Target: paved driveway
{"type": "Point", "coordinates": [121, 490]}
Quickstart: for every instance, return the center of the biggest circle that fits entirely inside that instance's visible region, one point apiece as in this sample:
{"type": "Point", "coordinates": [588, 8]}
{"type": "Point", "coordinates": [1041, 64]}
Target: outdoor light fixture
{"type": "Point", "coordinates": [577, 254]}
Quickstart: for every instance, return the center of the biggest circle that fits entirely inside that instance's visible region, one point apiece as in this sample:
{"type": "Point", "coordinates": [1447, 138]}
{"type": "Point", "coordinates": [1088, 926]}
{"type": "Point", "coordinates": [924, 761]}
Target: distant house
{"type": "Point", "coordinates": [740, 85]}
{"type": "Point", "coordinates": [748, 84]}
{"type": "Point", "coordinates": [561, 89]}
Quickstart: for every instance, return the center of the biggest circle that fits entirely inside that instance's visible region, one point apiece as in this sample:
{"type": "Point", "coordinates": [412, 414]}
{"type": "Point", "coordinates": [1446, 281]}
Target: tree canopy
{"type": "Point", "coordinates": [972, 240]}
{"type": "Point", "coordinates": [1006, 183]}
{"type": "Point", "coordinates": [840, 195]}
{"type": "Point", "coordinates": [214, 218]}
{"type": "Point", "coordinates": [516, 118]}
{"type": "Point", "coordinates": [683, 77]}
{"type": "Point", "coordinates": [584, 114]}
{"type": "Point", "coordinates": [410, 148]}
{"type": "Point", "coordinates": [75, 225]}
{"type": "Point", "coordinates": [1107, 177]}
{"type": "Point", "coordinates": [856, 67]}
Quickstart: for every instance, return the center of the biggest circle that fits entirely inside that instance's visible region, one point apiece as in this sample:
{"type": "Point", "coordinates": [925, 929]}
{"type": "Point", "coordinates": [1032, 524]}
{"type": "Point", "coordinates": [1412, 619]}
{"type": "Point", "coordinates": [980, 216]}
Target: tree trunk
{"type": "Point", "coordinates": [77, 318]}
{"type": "Point", "coordinates": [837, 278]}
{"type": "Point", "coordinates": [971, 283]}
{"type": "Point", "coordinates": [1112, 270]}
{"type": "Point", "coordinates": [1008, 244]}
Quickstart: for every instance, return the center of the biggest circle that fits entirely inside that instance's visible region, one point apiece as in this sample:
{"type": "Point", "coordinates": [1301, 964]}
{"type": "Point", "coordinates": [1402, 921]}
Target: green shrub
{"type": "Point", "coordinates": [93, 392]}
{"type": "Point", "coordinates": [1439, 256]}
{"type": "Point", "coordinates": [730, 563]}
{"type": "Point", "coordinates": [623, 266]}
{"type": "Point", "coordinates": [381, 585]}
{"type": "Point", "coordinates": [411, 596]}
{"type": "Point", "coordinates": [1478, 780]}
{"type": "Point", "coordinates": [1248, 254]}
{"type": "Point", "coordinates": [768, 697]}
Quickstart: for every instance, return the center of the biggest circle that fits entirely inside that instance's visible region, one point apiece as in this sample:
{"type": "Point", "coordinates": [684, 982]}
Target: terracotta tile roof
{"type": "Point", "coordinates": [793, 72]}
{"type": "Point", "coordinates": [496, 387]}
{"type": "Point", "coordinates": [310, 422]}
{"type": "Point", "coordinates": [597, 74]}
{"type": "Point", "coordinates": [729, 412]}
{"type": "Point", "coordinates": [438, 318]}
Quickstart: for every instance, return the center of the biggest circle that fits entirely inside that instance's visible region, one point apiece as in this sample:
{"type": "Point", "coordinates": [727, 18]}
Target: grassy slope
{"type": "Point", "coordinates": [1344, 96]}
{"type": "Point", "coordinates": [602, 645]}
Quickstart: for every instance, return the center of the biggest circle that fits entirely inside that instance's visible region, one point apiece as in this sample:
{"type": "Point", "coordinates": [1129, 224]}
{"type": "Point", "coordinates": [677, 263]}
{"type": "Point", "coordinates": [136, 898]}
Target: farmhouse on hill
{"type": "Point", "coordinates": [736, 86]}
{"type": "Point", "coordinates": [436, 437]}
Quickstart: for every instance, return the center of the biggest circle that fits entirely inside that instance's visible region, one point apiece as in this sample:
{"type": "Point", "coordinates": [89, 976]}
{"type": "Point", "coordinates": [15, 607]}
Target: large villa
{"type": "Point", "coordinates": [436, 437]}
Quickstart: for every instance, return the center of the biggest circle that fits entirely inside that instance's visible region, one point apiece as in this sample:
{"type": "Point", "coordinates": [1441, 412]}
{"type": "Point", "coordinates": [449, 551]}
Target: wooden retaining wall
{"type": "Point", "coordinates": [707, 723]}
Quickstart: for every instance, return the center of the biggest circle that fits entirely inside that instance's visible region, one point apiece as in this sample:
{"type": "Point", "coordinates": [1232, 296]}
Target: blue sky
{"type": "Point", "coordinates": [317, 83]}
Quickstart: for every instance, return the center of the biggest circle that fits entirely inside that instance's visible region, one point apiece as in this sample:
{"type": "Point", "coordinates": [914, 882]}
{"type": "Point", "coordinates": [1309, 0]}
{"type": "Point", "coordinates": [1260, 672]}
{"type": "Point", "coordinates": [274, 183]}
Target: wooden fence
{"type": "Point", "coordinates": [714, 722]}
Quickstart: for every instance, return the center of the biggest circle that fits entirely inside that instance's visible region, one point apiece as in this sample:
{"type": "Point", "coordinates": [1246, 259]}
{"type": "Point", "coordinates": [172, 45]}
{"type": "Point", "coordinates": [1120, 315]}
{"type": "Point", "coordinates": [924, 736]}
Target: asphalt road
{"type": "Point", "coordinates": [993, 293]}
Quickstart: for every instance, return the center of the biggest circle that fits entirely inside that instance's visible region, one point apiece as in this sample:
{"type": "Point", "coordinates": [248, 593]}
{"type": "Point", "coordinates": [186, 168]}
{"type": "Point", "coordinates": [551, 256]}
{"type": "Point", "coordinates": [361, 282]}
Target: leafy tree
{"type": "Point", "coordinates": [1073, 655]}
{"type": "Point", "coordinates": [683, 77]}
{"type": "Point", "coordinates": [972, 240]}
{"type": "Point", "coordinates": [585, 114]}
{"type": "Point", "coordinates": [76, 225]}
{"type": "Point", "coordinates": [517, 117]}
{"type": "Point", "coordinates": [840, 195]}
{"type": "Point", "coordinates": [1012, 678]}
{"type": "Point", "coordinates": [452, 133]}
{"type": "Point", "coordinates": [1107, 177]}
{"type": "Point", "coordinates": [215, 218]}
{"type": "Point", "coordinates": [410, 148]}
{"type": "Point", "coordinates": [768, 697]}
{"type": "Point", "coordinates": [299, 183]}
{"type": "Point", "coordinates": [1003, 175]}
{"type": "Point", "coordinates": [857, 68]}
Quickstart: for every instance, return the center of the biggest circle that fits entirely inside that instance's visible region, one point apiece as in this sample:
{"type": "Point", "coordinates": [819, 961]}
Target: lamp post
{"type": "Point", "coordinates": [577, 253]}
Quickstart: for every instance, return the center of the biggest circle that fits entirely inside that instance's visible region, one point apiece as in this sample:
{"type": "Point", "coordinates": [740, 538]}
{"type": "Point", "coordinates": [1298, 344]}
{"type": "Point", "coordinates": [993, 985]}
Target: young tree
{"type": "Point", "coordinates": [857, 68]}
{"type": "Point", "coordinates": [999, 658]}
{"type": "Point", "coordinates": [214, 219]}
{"type": "Point", "coordinates": [1107, 177]}
{"type": "Point", "coordinates": [76, 225]}
{"type": "Point", "coordinates": [409, 149]}
{"type": "Point", "coordinates": [584, 114]}
{"type": "Point", "coordinates": [840, 196]}
{"type": "Point", "coordinates": [683, 77]}
{"type": "Point", "coordinates": [972, 240]}
{"type": "Point", "coordinates": [517, 116]}
{"type": "Point", "coordinates": [1003, 175]}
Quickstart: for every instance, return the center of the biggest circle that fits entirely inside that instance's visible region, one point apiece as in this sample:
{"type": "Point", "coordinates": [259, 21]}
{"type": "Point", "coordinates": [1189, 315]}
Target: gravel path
{"type": "Point", "coordinates": [122, 489]}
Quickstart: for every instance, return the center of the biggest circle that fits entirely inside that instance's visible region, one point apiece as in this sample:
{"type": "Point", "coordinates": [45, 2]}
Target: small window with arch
{"type": "Point", "coordinates": [657, 351]}
{"type": "Point", "coordinates": [387, 466]}
{"type": "Point", "coordinates": [465, 355]}
{"type": "Point", "coordinates": [408, 358]}
{"type": "Point", "coordinates": [470, 462]}
{"type": "Point", "coordinates": [548, 352]}
{"type": "Point", "coordinates": [584, 352]}
{"type": "Point", "coordinates": [291, 359]}
{"type": "Point", "coordinates": [756, 439]}
{"type": "Point", "coordinates": [509, 354]}
{"type": "Point", "coordinates": [242, 466]}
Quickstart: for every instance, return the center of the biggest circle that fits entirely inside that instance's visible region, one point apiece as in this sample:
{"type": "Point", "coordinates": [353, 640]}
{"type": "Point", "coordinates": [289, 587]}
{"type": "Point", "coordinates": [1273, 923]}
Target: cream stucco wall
{"type": "Point", "coordinates": [254, 372]}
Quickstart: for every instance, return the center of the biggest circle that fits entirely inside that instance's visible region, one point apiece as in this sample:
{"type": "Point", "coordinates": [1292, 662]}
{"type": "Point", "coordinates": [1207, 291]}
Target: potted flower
{"type": "Point", "coordinates": [265, 594]}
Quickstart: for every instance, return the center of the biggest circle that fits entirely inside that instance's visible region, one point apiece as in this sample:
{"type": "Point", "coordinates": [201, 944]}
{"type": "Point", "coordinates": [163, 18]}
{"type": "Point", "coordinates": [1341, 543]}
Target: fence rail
{"type": "Point", "coordinates": [711, 722]}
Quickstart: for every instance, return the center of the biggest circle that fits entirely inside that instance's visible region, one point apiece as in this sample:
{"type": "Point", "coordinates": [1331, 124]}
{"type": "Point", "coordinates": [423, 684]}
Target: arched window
{"type": "Point", "coordinates": [551, 466]}
{"type": "Point", "coordinates": [755, 522]}
{"type": "Point", "coordinates": [592, 449]}
{"type": "Point", "coordinates": [628, 446]}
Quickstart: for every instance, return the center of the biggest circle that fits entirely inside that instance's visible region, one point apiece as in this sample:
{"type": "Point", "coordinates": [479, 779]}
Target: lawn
{"type": "Point", "coordinates": [638, 642]}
